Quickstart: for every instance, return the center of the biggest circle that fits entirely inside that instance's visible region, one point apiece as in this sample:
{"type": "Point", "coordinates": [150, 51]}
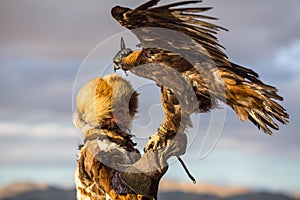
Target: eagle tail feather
{"type": "Point", "coordinates": [256, 102]}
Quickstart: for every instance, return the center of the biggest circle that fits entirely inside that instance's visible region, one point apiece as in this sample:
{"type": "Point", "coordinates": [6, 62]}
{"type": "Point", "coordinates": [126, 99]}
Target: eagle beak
{"type": "Point", "coordinates": [116, 67]}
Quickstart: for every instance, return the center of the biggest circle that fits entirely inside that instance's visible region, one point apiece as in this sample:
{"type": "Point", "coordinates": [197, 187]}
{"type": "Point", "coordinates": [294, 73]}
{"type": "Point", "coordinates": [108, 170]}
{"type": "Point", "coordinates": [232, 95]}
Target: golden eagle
{"type": "Point", "coordinates": [180, 52]}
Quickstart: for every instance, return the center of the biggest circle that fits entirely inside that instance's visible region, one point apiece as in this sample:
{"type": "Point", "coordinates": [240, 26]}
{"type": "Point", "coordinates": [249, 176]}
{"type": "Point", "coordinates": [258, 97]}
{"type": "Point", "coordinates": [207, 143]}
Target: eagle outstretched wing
{"type": "Point", "coordinates": [143, 20]}
{"type": "Point", "coordinates": [180, 51]}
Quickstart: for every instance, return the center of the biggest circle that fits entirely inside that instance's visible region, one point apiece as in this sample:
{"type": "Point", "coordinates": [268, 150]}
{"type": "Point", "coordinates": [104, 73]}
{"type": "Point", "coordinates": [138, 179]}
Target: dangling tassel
{"type": "Point", "coordinates": [186, 170]}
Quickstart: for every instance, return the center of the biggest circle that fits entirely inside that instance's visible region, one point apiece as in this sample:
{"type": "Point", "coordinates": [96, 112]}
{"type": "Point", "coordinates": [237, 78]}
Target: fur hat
{"type": "Point", "coordinates": [98, 99]}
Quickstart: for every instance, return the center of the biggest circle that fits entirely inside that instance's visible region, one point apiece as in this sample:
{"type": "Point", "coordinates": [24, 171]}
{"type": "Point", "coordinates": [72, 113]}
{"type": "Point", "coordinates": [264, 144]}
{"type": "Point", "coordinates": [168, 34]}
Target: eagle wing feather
{"type": "Point", "coordinates": [180, 38]}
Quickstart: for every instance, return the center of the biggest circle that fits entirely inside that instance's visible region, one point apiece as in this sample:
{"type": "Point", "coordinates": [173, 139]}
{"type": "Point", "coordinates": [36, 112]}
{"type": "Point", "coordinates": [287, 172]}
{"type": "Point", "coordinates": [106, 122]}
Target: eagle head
{"type": "Point", "coordinates": [123, 53]}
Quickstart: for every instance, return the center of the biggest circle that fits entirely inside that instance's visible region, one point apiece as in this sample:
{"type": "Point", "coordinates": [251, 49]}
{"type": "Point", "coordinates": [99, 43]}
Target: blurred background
{"type": "Point", "coordinates": [44, 43]}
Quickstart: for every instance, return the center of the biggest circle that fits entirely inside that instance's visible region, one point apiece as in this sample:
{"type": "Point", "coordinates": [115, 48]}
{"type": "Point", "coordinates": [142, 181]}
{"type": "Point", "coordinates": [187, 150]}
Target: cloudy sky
{"type": "Point", "coordinates": [45, 45]}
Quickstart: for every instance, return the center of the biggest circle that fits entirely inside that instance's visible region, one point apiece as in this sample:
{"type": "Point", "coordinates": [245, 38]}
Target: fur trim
{"type": "Point", "coordinates": [107, 146]}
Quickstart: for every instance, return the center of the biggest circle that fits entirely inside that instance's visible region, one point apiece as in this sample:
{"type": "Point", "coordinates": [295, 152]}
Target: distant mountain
{"type": "Point", "coordinates": [44, 192]}
{"type": "Point", "coordinates": [252, 196]}
{"type": "Point", "coordinates": [30, 191]}
{"type": "Point", "coordinates": [186, 196]}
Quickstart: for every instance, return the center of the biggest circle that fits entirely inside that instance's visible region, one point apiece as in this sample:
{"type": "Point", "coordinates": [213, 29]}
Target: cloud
{"type": "Point", "coordinates": [57, 29]}
{"type": "Point", "coordinates": [35, 90]}
{"type": "Point", "coordinates": [40, 130]}
{"type": "Point", "coordinates": [254, 30]}
{"type": "Point", "coordinates": [289, 57]}
{"type": "Point", "coordinates": [29, 150]}
{"type": "Point", "coordinates": [40, 144]}
{"type": "Point", "coordinates": [40, 55]}
{"type": "Point", "coordinates": [37, 74]}
{"type": "Point", "coordinates": [73, 28]}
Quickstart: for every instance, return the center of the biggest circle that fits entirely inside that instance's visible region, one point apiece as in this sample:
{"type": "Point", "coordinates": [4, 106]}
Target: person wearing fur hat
{"type": "Point", "coordinates": [109, 165]}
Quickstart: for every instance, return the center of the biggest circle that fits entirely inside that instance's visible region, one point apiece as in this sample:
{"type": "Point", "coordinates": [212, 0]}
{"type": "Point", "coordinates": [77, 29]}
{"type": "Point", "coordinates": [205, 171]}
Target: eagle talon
{"type": "Point", "coordinates": [157, 141]}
